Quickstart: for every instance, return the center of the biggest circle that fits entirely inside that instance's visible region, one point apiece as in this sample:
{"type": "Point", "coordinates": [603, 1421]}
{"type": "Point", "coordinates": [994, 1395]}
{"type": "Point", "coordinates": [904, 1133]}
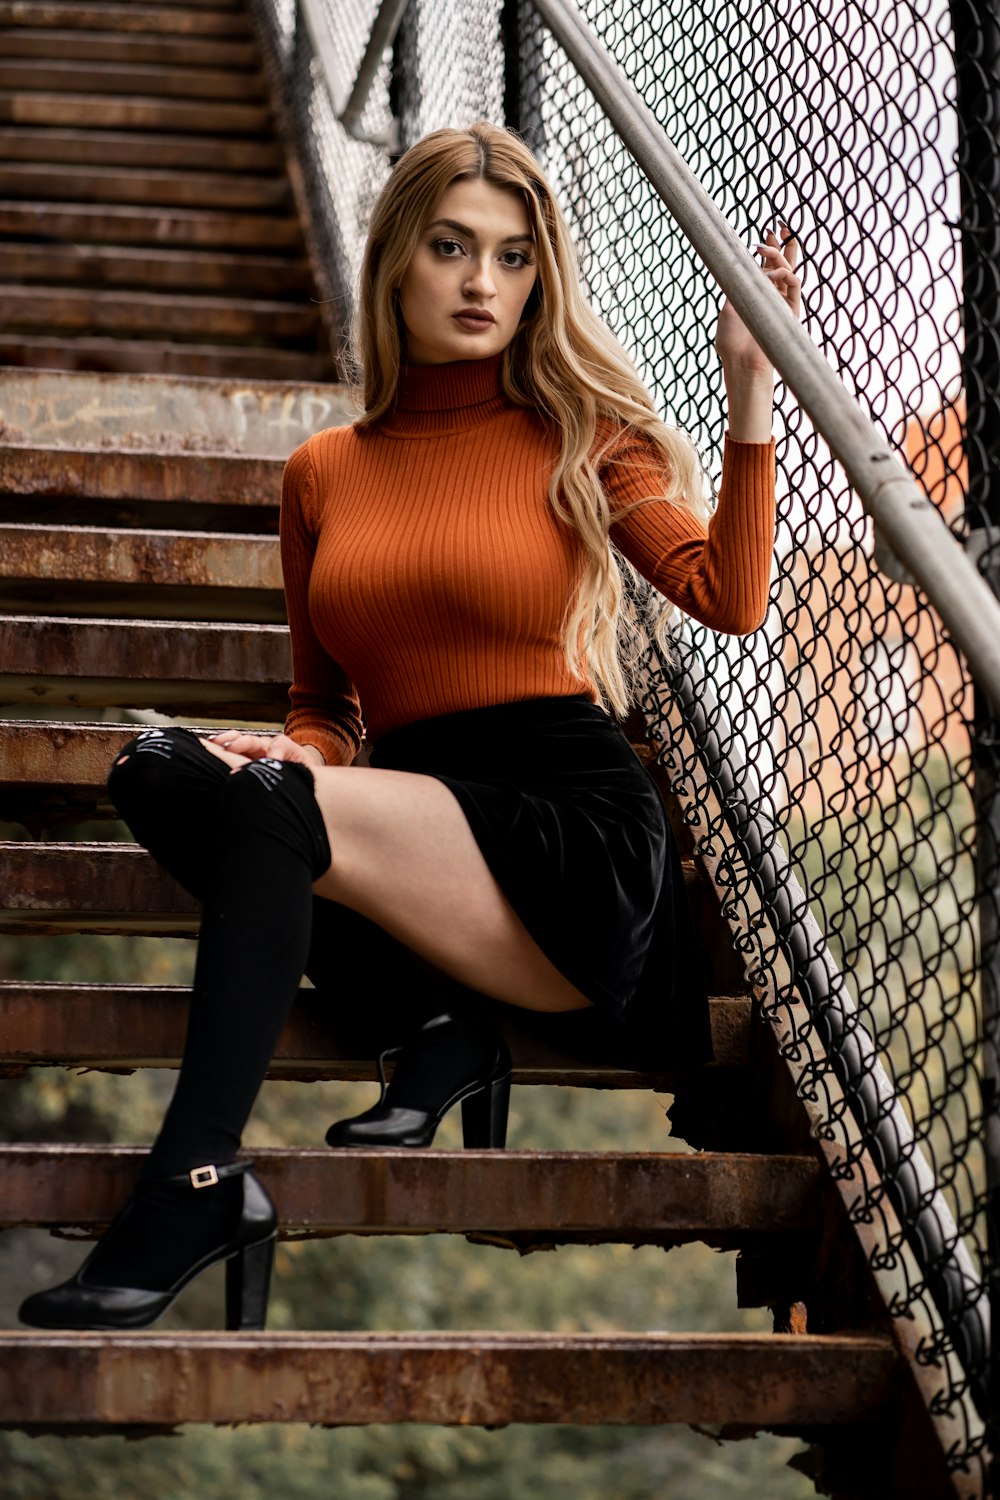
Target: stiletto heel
{"type": "Point", "coordinates": [484, 1116]}
{"type": "Point", "coordinates": [451, 1059]}
{"type": "Point", "coordinates": [248, 1280]}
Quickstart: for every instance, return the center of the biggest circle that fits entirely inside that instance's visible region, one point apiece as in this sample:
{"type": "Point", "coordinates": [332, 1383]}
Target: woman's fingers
{"type": "Point", "coordinates": [780, 257]}
{"type": "Point", "coordinates": [252, 746]}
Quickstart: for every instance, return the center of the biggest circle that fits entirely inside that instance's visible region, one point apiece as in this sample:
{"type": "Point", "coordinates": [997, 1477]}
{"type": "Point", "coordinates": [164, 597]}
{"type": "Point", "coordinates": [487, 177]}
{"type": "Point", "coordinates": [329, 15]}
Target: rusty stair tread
{"type": "Point", "coordinates": [118, 1027]}
{"type": "Point", "coordinates": [116, 46]}
{"type": "Point", "coordinates": [108, 887]}
{"type": "Point", "coordinates": [166, 664]}
{"type": "Point", "coordinates": [137, 474]}
{"type": "Point", "coordinates": [98, 431]}
{"type": "Point", "coordinates": [151, 356]}
{"type": "Point", "coordinates": [137, 80]}
{"type": "Point", "coordinates": [135, 186]}
{"type": "Point", "coordinates": [175, 315]}
{"type": "Point", "coordinates": [167, 574]}
{"type": "Point", "coordinates": [163, 270]}
{"type": "Point", "coordinates": [785, 1380]}
{"type": "Point", "coordinates": [606, 1196]}
{"type": "Point", "coordinates": [113, 223]}
{"type": "Point", "coordinates": [132, 111]}
{"type": "Point", "coordinates": [184, 19]}
{"type": "Point", "coordinates": [108, 148]}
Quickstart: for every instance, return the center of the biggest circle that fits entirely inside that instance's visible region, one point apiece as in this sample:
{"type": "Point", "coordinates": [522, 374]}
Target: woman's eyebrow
{"type": "Point", "coordinates": [470, 234]}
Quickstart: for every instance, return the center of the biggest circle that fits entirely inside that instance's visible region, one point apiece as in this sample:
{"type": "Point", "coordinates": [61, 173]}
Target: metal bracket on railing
{"type": "Point", "coordinates": [981, 547]}
{"type": "Point", "coordinates": [383, 33]}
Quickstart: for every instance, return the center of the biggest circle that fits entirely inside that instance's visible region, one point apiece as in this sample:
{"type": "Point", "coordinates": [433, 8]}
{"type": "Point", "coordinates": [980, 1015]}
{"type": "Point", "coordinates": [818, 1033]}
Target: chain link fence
{"type": "Point", "coordinates": [838, 762]}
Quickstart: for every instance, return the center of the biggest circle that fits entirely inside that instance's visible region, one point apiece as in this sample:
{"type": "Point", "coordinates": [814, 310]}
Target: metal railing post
{"type": "Point", "coordinates": [976, 33]}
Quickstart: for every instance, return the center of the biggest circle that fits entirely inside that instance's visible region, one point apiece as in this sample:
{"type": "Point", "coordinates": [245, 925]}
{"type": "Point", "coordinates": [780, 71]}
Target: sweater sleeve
{"type": "Point", "coordinates": [325, 710]}
{"type": "Point", "coordinates": [719, 575]}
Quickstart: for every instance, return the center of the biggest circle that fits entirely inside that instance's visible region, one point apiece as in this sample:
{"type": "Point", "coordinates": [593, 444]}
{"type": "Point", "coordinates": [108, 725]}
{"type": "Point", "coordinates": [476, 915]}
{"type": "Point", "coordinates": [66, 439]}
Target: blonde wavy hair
{"type": "Point", "coordinates": [562, 363]}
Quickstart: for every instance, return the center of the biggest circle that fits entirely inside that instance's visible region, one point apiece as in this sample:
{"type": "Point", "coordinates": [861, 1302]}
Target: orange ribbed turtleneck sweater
{"type": "Point", "coordinates": [426, 572]}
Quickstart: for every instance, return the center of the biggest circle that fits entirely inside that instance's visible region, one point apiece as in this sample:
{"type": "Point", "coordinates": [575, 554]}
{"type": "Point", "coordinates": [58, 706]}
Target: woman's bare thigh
{"type": "Point", "coordinates": [405, 857]}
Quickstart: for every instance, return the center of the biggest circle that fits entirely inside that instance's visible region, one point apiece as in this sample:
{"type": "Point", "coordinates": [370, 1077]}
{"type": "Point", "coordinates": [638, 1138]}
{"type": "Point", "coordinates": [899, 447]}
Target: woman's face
{"type": "Point", "coordinates": [463, 293]}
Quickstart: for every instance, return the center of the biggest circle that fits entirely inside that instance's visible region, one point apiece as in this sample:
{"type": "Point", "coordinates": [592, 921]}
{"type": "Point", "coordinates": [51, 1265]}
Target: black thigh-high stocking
{"type": "Point", "coordinates": [167, 786]}
{"type": "Point", "coordinates": [252, 952]}
{"type": "Point", "coordinates": [270, 846]}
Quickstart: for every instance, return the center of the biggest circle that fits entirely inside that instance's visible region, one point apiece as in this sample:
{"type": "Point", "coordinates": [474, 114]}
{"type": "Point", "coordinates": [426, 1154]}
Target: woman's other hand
{"type": "Point", "coordinates": [237, 748]}
{"type": "Point", "coordinates": [748, 373]}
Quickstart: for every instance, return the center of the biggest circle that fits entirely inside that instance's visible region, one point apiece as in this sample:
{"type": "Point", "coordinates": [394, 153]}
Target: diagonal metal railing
{"type": "Point", "coordinates": [845, 755]}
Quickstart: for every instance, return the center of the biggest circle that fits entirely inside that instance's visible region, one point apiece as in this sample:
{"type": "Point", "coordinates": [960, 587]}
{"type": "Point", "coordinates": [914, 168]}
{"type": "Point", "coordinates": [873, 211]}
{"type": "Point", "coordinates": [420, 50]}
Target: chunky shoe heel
{"type": "Point", "coordinates": [248, 1281]}
{"type": "Point", "coordinates": [451, 1059]}
{"type": "Point", "coordinates": [484, 1116]}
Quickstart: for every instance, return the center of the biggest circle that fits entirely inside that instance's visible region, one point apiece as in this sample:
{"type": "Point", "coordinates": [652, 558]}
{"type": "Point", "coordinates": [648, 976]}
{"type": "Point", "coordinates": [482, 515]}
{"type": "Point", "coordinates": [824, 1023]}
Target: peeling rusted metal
{"type": "Point", "coordinates": [606, 1196]}
{"type": "Point", "coordinates": [72, 310]}
{"type": "Point", "coordinates": [218, 21]}
{"type": "Point", "coordinates": [39, 753]}
{"type": "Point", "coordinates": [241, 669]}
{"type": "Point", "coordinates": [27, 107]}
{"type": "Point", "coordinates": [121, 1027]}
{"type": "Point", "coordinates": [101, 555]}
{"type": "Point", "coordinates": [783, 1380]}
{"type": "Point", "coordinates": [80, 887]}
{"type": "Point", "coordinates": [94, 474]}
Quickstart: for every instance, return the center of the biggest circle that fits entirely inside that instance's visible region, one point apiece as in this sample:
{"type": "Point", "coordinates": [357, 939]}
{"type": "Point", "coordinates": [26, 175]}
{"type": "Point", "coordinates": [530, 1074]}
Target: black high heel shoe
{"type": "Point", "coordinates": [449, 1060]}
{"type": "Point", "coordinates": [248, 1251]}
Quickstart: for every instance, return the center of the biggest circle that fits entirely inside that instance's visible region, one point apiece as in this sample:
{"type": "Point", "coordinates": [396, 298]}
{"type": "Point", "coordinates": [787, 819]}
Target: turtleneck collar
{"type": "Point", "coordinates": [434, 399]}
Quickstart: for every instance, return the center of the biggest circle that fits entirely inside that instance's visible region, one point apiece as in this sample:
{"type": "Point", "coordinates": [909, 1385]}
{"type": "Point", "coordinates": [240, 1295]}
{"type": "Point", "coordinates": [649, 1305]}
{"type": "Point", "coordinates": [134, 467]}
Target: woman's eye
{"type": "Point", "coordinates": [516, 259]}
{"type": "Point", "coordinates": [447, 247]}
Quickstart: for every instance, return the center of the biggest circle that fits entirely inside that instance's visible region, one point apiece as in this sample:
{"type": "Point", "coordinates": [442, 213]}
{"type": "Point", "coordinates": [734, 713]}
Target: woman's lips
{"type": "Point", "coordinates": [476, 322]}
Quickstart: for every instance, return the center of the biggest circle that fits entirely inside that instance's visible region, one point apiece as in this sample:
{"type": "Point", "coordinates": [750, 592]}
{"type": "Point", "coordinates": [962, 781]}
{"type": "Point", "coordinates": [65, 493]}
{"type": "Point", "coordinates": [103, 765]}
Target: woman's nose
{"type": "Point", "coordinates": [479, 282]}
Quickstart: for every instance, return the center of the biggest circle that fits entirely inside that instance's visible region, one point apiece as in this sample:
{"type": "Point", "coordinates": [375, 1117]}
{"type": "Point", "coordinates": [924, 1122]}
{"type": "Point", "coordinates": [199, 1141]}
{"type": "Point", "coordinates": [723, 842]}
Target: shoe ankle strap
{"type": "Point", "coordinates": [210, 1174]}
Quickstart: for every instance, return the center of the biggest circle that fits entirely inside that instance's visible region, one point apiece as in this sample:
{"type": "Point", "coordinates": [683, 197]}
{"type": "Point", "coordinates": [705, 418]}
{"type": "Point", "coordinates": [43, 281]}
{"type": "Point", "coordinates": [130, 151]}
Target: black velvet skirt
{"type": "Point", "coordinates": [573, 828]}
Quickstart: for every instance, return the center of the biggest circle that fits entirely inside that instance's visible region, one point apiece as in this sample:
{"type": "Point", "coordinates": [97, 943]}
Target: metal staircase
{"type": "Point", "coordinates": [151, 231]}
{"type": "Point", "coordinates": [147, 216]}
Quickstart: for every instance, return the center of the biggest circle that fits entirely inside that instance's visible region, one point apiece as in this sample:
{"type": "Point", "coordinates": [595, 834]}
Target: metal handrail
{"type": "Point", "coordinates": [383, 34]}
{"type": "Point", "coordinates": [905, 517]}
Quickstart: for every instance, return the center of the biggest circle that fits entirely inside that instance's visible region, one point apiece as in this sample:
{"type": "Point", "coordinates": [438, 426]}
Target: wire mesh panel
{"type": "Point", "coordinates": [838, 757]}
{"type": "Point", "coordinates": [844, 724]}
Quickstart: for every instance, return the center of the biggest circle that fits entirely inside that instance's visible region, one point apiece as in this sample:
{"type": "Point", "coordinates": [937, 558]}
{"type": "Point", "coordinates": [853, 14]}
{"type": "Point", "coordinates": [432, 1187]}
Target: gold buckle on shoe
{"type": "Point", "coordinates": [204, 1176]}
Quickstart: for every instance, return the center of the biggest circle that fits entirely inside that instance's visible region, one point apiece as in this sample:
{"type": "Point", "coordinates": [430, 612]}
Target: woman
{"type": "Point", "coordinates": [447, 567]}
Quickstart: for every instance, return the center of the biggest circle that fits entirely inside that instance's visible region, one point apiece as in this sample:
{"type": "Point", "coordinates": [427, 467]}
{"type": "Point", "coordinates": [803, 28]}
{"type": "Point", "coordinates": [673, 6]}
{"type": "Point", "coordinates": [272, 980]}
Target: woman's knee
{"type": "Point", "coordinates": [275, 799]}
{"type": "Point", "coordinates": [157, 760]}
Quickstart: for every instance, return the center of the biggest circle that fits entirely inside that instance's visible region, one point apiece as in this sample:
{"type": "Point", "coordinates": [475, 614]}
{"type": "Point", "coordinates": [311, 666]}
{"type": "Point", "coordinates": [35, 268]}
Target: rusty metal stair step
{"type": "Point", "coordinates": [113, 46]}
{"type": "Point", "coordinates": [226, 481]}
{"type": "Point", "coordinates": [156, 357]}
{"type": "Point", "coordinates": [91, 570]}
{"type": "Point", "coordinates": [149, 82]}
{"type": "Point", "coordinates": [232, 670]}
{"type": "Point", "coordinates": [163, 17]}
{"type": "Point", "coordinates": [121, 1027]}
{"type": "Point", "coordinates": [132, 112]}
{"type": "Point", "coordinates": [154, 315]}
{"type": "Point", "coordinates": [109, 148]}
{"type": "Point", "coordinates": [133, 186]}
{"type": "Point", "coordinates": [565, 1196]}
{"type": "Point", "coordinates": [99, 432]}
{"type": "Point", "coordinates": [491, 1379]}
{"type": "Point", "coordinates": [113, 888]}
{"type": "Point", "coordinates": [159, 270]}
{"type": "Point", "coordinates": [127, 225]}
